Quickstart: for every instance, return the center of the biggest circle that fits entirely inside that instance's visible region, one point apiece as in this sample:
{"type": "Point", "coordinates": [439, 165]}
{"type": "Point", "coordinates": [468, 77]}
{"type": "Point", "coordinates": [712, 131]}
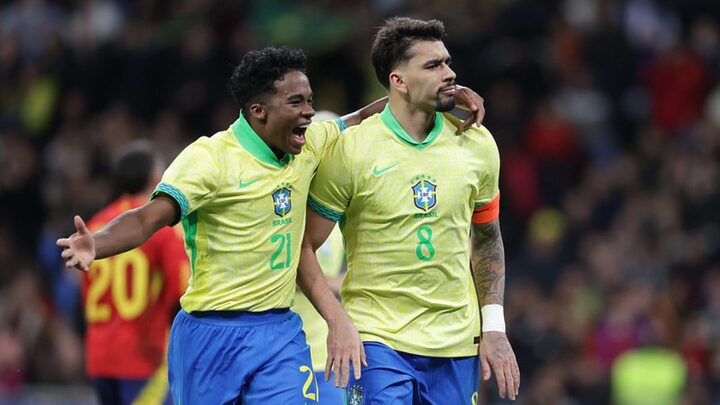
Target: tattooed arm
{"type": "Point", "coordinates": [488, 271]}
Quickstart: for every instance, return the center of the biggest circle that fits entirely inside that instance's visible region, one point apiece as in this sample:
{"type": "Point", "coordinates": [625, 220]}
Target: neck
{"type": "Point", "coordinates": [416, 122]}
{"type": "Point", "coordinates": [260, 130]}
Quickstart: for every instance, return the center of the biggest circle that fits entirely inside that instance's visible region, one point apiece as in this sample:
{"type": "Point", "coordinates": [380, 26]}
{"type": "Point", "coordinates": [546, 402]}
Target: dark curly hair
{"type": "Point", "coordinates": [259, 69]}
{"type": "Point", "coordinates": [394, 39]}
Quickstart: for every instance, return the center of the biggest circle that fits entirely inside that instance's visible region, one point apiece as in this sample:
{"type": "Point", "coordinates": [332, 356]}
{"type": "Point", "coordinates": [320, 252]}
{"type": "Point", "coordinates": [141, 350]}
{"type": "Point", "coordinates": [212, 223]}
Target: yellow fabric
{"type": "Point", "coordinates": [331, 256]}
{"type": "Point", "coordinates": [405, 213]}
{"type": "Point", "coordinates": [156, 389]}
{"type": "Point", "coordinates": [243, 243]}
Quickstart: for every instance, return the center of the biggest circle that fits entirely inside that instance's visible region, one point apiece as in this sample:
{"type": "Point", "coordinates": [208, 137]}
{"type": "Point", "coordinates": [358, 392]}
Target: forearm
{"type": "Point", "coordinates": [356, 117]}
{"type": "Point", "coordinates": [488, 263]}
{"type": "Point", "coordinates": [123, 233]}
{"type": "Point", "coordinates": [130, 229]}
{"type": "Point", "coordinates": [313, 284]}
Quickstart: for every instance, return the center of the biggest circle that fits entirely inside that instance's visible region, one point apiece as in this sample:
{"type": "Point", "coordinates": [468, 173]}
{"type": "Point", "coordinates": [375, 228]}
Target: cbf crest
{"type": "Point", "coordinates": [355, 395]}
{"type": "Point", "coordinates": [424, 195]}
{"type": "Point", "coordinates": [282, 201]}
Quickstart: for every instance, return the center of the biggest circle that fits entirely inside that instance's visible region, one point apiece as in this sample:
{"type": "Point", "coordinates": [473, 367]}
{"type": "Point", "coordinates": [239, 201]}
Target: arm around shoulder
{"type": "Point", "coordinates": [358, 116]}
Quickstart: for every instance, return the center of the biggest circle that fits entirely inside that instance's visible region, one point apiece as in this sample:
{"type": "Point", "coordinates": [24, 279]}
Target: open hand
{"type": "Point", "coordinates": [79, 248]}
{"type": "Point", "coordinates": [344, 347]}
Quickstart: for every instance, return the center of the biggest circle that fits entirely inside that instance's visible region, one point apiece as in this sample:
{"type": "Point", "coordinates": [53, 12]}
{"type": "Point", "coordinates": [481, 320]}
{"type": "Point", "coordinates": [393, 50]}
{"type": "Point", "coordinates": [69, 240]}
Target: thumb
{"type": "Point", "coordinates": [80, 225]}
{"type": "Point", "coordinates": [465, 124]}
{"type": "Point", "coordinates": [485, 369]}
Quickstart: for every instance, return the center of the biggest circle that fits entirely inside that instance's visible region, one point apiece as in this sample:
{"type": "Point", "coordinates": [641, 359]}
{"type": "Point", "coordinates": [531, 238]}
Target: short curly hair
{"type": "Point", "coordinates": [394, 39]}
{"type": "Point", "coordinates": [259, 69]}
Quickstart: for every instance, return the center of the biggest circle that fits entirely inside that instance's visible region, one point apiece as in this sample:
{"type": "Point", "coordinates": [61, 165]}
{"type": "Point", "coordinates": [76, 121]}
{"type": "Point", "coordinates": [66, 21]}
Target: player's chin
{"type": "Point", "coordinates": [445, 104]}
{"type": "Point", "coordinates": [294, 144]}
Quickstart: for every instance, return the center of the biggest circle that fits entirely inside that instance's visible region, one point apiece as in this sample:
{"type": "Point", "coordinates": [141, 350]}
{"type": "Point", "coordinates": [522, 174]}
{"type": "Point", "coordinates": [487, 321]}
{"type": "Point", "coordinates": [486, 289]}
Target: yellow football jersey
{"type": "Point", "coordinates": [405, 210]}
{"type": "Point", "coordinates": [243, 212]}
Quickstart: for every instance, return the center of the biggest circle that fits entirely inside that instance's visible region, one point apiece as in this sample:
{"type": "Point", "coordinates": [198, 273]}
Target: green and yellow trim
{"type": "Point", "coordinates": [393, 125]}
{"type": "Point", "coordinates": [324, 211]}
{"type": "Point", "coordinates": [251, 142]}
{"type": "Point", "coordinates": [175, 194]}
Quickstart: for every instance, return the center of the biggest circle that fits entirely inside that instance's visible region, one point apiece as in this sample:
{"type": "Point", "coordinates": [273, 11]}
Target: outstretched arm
{"type": "Point", "coordinates": [344, 345]}
{"type": "Point", "coordinates": [465, 97]}
{"type": "Point", "coordinates": [488, 270]}
{"type": "Point", "coordinates": [127, 231]}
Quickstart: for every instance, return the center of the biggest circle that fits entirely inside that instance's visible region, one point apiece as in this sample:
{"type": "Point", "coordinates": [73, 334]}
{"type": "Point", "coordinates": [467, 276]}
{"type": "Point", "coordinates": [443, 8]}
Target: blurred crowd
{"type": "Point", "coordinates": [606, 113]}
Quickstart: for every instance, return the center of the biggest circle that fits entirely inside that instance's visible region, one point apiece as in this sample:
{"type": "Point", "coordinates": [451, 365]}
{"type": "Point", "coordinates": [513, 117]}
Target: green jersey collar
{"type": "Point", "coordinates": [252, 143]}
{"type": "Point", "coordinates": [389, 120]}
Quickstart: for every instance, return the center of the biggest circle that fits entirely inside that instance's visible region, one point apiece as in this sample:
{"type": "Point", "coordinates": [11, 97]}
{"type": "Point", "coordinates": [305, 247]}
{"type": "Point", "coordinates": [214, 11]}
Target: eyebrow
{"type": "Point", "coordinates": [437, 61]}
{"type": "Point", "coordinates": [292, 97]}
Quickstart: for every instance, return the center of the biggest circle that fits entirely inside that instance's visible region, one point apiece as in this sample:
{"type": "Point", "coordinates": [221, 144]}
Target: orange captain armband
{"type": "Point", "coordinates": [487, 212]}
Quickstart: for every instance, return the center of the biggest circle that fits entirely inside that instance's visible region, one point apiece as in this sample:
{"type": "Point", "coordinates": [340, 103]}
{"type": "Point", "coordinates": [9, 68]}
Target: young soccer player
{"type": "Point", "coordinates": [407, 192]}
{"type": "Point", "coordinates": [241, 197]}
{"type": "Point", "coordinates": [130, 299]}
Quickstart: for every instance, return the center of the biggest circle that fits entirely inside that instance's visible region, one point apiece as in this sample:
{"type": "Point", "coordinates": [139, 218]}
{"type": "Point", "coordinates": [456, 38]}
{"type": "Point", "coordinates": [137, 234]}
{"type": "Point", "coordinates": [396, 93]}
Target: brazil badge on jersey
{"type": "Point", "coordinates": [424, 195]}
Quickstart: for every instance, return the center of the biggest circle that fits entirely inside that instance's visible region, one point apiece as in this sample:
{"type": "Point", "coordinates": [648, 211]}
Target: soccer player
{"type": "Point", "coordinates": [130, 299]}
{"type": "Point", "coordinates": [407, 192]}
{"type": "Point", "coordinates": [241, 197]}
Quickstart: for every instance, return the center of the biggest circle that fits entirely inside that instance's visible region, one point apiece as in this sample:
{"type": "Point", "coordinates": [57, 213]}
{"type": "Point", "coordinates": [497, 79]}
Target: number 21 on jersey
{"type": "Point", "coordinates": [282, 257]}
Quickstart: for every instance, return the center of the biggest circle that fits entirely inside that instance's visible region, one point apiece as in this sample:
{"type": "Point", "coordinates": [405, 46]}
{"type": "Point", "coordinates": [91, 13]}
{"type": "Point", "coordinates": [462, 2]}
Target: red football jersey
{"type": "Point", "coordinates": [130, 300]}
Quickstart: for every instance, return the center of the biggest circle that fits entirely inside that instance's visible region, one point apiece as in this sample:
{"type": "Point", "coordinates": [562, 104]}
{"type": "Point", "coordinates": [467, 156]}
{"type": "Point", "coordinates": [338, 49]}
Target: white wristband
{"type": "Point", "coordinates": [493, 319]}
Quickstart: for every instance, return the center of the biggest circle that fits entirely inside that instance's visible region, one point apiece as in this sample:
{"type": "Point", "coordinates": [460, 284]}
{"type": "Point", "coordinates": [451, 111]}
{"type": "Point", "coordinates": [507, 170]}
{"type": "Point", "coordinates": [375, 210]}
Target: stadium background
{"type": "Point", "coordinates": [606, 112]}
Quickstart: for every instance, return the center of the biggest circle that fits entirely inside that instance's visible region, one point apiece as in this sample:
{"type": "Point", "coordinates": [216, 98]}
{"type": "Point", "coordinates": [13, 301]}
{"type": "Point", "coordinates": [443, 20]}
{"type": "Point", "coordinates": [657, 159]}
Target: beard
{"type": "Point", "coordinates": [445, 105]}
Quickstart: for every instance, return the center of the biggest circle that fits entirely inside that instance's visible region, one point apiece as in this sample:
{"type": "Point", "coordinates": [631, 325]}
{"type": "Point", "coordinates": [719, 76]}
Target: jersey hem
{"type": "Point", "coordinates": [421, 351]}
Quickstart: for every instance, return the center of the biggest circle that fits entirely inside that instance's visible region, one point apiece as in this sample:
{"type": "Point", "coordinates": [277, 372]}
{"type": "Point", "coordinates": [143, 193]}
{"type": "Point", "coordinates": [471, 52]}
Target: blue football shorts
{"type": "Point", "coordinates": [397, 378]}
{"type": "Point", "coordinates": [329, 393]}
{"type": "Point", "coordinates": [228, 357]}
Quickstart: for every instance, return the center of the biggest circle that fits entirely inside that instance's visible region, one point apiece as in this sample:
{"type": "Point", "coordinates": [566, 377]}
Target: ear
{"type": "Point", "coordinates": [396, 82]}
{"type": "Point", "coordinates": [258, 111]}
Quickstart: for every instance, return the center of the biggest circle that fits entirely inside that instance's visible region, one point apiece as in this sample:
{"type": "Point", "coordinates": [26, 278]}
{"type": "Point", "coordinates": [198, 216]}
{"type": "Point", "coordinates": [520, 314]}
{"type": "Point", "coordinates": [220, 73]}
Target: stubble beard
{"type": "Point", "coordinates": [445, 105]}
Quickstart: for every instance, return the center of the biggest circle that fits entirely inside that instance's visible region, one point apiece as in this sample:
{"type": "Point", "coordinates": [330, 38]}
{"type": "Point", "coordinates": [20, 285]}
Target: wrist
{"type": "Point", "coordinates": [335, 317]}
{"type": "Point", "coordinates": [493, 318]}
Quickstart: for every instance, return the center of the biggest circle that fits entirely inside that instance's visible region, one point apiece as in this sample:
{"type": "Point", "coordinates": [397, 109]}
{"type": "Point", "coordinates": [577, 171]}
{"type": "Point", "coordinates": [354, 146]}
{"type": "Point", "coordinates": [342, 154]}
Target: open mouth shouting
{"type": "Point", "coordinates": [297, 138]}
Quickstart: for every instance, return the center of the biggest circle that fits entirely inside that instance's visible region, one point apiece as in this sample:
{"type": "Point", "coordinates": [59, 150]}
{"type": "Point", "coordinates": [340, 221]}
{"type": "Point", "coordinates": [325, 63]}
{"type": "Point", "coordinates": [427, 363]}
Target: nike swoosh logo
{"type": "Point", "coordinates": [243, 185]}
{"type": "Point", "coordinates": [378, 172]}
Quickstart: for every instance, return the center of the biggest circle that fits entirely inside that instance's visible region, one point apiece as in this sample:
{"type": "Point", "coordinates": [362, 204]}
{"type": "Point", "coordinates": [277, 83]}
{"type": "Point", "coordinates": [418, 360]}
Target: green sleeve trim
{"type": "Point", "coordinates": [176, 194]}
{"type": "Point", "coordinates": [324, 211]}
{"type": "Point", "coordinates": [341, 124]}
